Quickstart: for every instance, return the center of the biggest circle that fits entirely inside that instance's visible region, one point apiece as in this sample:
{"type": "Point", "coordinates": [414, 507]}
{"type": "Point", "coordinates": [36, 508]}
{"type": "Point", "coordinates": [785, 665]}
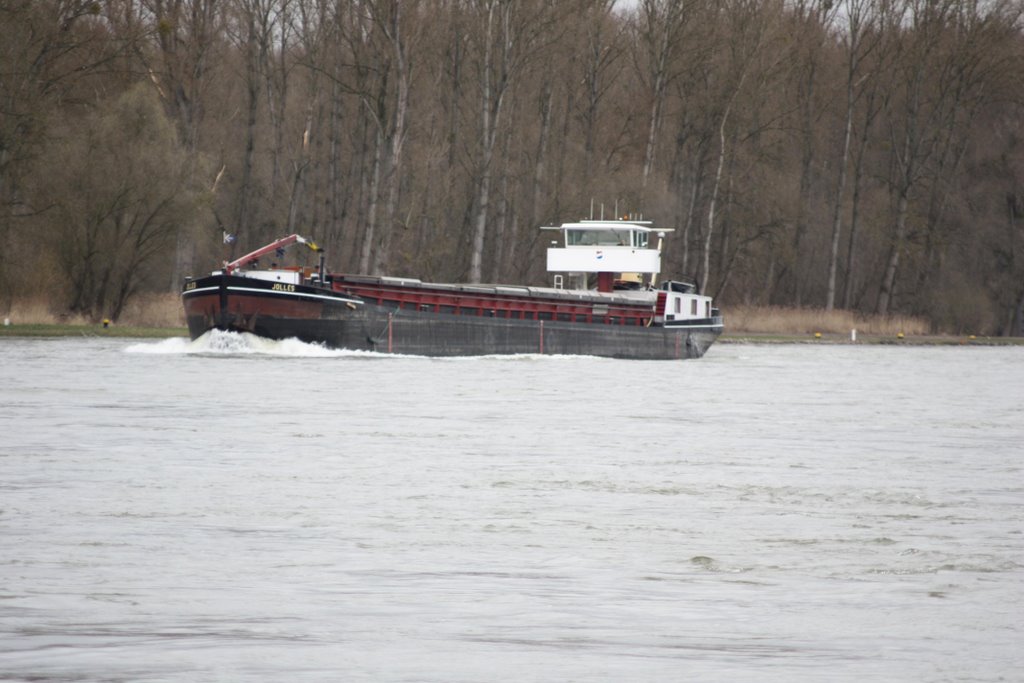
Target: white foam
{"type": "Point", "coordinates": [218, 342]}
{"type": "Point", "coordinates": [221, 343]}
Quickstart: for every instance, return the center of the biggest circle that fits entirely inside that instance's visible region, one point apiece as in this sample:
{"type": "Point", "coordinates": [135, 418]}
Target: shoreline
{"type": "Point", "coordinates": [59, 330]}
{"type": "Point", "coordinates": [138, 332]}
{"type": "Point", "coordinates": [867, 340]}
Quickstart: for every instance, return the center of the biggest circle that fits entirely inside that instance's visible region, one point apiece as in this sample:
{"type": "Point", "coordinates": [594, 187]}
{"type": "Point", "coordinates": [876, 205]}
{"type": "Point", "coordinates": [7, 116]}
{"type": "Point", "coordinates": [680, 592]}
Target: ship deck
{"type": "Point", "coordinates": [503, 301]}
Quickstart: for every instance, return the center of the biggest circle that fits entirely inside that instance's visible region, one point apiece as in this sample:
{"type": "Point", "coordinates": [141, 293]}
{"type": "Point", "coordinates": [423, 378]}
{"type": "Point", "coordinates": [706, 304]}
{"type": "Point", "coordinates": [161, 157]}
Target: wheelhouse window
{"type": "Point", "coordinates": [605, 238]}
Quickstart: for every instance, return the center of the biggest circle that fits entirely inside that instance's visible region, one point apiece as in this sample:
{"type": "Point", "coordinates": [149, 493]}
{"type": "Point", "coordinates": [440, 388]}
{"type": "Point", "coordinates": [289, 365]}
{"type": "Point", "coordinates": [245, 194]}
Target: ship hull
{"type": "Point", "coordinates": [320, 315]}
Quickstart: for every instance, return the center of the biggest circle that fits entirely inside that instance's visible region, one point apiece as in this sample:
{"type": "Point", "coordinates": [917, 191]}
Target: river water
{"type": "Point", "coordinates": [230, 509]}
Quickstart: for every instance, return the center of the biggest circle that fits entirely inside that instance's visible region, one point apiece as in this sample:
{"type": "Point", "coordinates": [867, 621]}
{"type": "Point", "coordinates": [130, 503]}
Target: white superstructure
{"type": "Point", "coordinates": [606, 247]}
{"type": "Point", "coordinates": [626, 256]}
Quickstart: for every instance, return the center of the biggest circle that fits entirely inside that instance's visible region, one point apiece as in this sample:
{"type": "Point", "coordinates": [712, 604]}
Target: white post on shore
{"type": "Point", "coordinates": [853, 335]}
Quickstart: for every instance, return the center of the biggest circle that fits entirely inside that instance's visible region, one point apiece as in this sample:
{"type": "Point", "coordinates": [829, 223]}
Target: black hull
{"type": "Point", "coordinates": [318, 315]}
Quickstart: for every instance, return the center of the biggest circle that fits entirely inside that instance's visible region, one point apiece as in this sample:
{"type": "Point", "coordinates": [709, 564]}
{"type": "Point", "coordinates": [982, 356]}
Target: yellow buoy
{"type": "Point", "coordinates": [817, 335]}
{"type": "Point", "coordinates": [899, 335]}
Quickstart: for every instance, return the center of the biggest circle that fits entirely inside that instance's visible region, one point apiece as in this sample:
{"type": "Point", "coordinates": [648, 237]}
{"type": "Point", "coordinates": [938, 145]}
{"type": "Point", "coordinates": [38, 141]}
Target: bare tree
{"type": "Point", "coordinates": [810, 17]}
{"type": "Point", "coordinates": [858, 40]}
{"type": "Point", "coordinates": [601, 62]}
{"type": "Point", "coordinates": [918, 119]}
{"type": "Point", "coordinates": [750, 28]}
{"type": "Point", "coordinates": [775, 135]}
{"type": "Point", "coordinates": [117, 189]}
{"type": "Point", "coordinates": [48, 49]}
{"type": "Point", "coordinates": [509, 33]}
{"type": "Point", "coordinates": [187, 34]}
{"type": "Point", "coordinates": [378, 37]}
{"type": "Point", "coordinates": [660, 26]}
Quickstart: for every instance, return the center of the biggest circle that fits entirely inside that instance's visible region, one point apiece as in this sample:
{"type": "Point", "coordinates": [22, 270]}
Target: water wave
{"type": "Point", "coordinates": [625, 520]}
{"type": "Point", "coordinates": [222, 343]}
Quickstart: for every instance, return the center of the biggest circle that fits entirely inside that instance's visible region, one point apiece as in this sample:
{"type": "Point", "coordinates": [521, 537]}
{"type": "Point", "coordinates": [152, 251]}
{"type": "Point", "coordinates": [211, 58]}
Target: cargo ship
{"type": "Point", "coordinates": [604, 299]}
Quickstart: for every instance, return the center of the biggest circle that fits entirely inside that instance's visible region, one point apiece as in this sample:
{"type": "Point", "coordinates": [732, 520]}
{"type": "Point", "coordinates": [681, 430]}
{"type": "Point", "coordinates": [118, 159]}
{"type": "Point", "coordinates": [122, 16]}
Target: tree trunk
{"type": "Point", "coordinates": [298, 181]}
{"type": "Point", "coordinates": [1016, 327]}
{"type": "Point", "coordinates": [333, 194]}
{"type": "Point", "coordinates": [837, 222]}
{"type": "Point", "coordinates": [668, 19]}
{"type": "Point", "coordinates": [858, 185]}
{"type": "Point", "coordinates": [396, 131]}
{"type": "Point", "coordinates": [803, 208]}
{"type": "Point", "coordinates": [893, 262]}
{"type": "Point", "coordinates": [540, 166]}
{"type": "Point", "coordinates": [492, 96]}
{"type": "Point", "coordinates": [714, 198]}
{"type": "Point", "coordinates": [653, 126]}
{"type": "Point", "coordinates": [697, 182]}
{"type": "Point", "coordinates": [372, 195]}
{"type": "Point", "coordinates": [252, 94]}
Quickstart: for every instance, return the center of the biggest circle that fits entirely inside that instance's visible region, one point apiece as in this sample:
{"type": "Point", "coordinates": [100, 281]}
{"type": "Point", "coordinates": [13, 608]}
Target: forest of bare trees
{"type": "Point", "coordinates": [857, 154]}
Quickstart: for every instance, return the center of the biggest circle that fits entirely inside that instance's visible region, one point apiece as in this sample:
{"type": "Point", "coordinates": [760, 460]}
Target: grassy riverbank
{"type": "Point", "coordinates": [775, 325]}
{"type": "Point", "coordinates": [147, 317]}
{"type": "Point", "coordinates": [59, 330]}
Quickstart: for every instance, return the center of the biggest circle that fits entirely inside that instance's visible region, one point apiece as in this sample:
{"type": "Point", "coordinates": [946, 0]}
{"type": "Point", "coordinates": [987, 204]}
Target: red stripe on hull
{"type": "Point", "coordinates": [412, 297]}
